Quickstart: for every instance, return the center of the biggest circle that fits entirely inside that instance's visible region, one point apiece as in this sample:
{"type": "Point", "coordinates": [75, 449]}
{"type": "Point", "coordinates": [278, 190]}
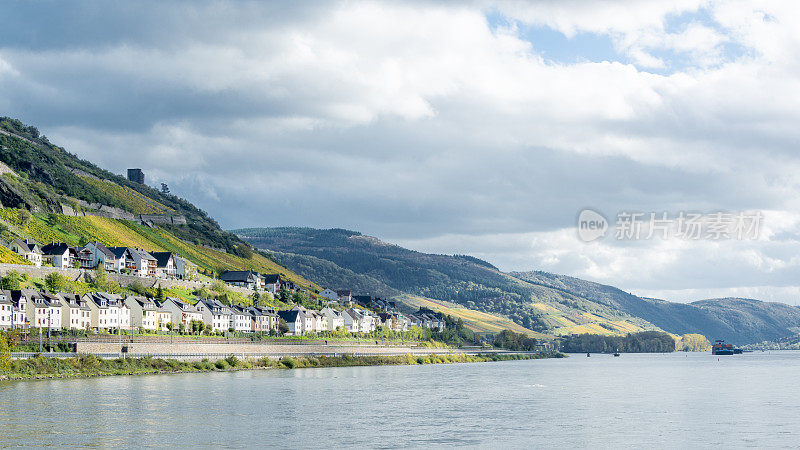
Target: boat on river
{"type": "Point", "coordinates": [721, 348]}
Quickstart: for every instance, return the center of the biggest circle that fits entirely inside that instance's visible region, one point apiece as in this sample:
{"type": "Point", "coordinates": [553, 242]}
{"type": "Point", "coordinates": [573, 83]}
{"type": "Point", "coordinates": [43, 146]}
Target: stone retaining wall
{"type": "Point", "coordinates": [245, 349]}
{"type": "Point", "coordinates": [123, 280]}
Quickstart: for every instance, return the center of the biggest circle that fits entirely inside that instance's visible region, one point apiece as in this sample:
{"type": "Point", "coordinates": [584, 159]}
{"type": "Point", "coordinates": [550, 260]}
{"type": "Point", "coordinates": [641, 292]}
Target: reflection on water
{"type": "Point", "coordinates": [675, 400]}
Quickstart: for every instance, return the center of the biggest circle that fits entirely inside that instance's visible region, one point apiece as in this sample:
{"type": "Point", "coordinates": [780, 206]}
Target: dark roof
{"type": "Point", "coordinates": [161, 258]}
{"type": "Point", "coordinates": [238, 275]}
{"type": "Point", "coordinates": [55, 249]}
{"type": "Point", "coordinates": [289, 316]}
{"type": "Point", "coordinates": [271, 278]}
{"type": "Point", "coordinates": [118, 252]}
{"type": "Point", "coordinates": [102, 249]}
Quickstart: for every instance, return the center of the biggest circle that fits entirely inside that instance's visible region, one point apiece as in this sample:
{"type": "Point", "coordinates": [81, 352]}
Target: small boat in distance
{"type": "Point", "coordinates": [588, 355]}
{"type": "Point", "coordinates": [616, 354]}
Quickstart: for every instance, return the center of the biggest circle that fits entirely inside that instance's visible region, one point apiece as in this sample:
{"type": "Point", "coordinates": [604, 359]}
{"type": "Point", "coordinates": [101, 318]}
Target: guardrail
{"type": "Point", "coordinates": [254, 355]}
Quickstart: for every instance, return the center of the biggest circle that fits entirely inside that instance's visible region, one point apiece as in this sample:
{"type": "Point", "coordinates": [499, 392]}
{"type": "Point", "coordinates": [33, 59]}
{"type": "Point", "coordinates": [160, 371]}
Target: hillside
{"type": "Point", "coordinates": [469, 282]}
{"type": "Point", "coordinates": [49, 177]}
{"type": "Point", "coordinates": [740, 321]}
{"type": "Point", "coordinates": [38, 180]}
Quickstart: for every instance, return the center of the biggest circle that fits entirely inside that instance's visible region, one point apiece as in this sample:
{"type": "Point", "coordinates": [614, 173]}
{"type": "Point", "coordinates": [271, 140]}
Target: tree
{"type": "Point", "coordinates": [160, 293]}
{"type": "Point", "coordinates": [181, 328]}
{"type": "Point", "coordinates": [138, 287]}
{"type": "Point", "coordinates": [24, 217]}
{"type": "Point", "coordinates": [164, 188]}
{"type": "Point", "coordinates": [5, 354]}
{"type": "Point", "coordinates": [244, 251]}
{"type": "Point", "coordinates": [283, 328]}
{"type": "Point", "coordinates": [12, 281]}
{"type": "Point", "coordinates": [55, 282]}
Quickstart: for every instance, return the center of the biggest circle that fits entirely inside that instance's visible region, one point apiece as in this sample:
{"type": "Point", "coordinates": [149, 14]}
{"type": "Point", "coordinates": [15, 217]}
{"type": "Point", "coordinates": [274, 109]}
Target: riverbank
{"type": "Point", "coordinates": [85, 365]}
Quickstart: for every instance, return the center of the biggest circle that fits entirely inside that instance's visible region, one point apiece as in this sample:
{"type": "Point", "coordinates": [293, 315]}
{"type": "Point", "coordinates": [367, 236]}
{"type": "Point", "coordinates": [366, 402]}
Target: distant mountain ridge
{"type": "Point", "coordinates": [467, 281]}
{"type": "Point", "coordinates": [536, 300]}
{"type": "Point", "coordinates": [741, 321]}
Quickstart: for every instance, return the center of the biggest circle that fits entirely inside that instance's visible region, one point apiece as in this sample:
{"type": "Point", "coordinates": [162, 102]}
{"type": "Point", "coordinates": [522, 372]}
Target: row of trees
{"type": "Point", "coordinates": [642, 342]}
{"type": "Point", "coordinates": [510, 340]}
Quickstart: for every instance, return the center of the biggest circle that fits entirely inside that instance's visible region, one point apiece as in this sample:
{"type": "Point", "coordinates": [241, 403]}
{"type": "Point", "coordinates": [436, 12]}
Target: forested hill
{"type": "Point", "coordinates": [541, 301]}
{"type": "Point", "coordinates": [464, 280]}
{"type": "Point", "coordinates": [740, 321]}
{"type": "Point", "coordinates": [50, 177]}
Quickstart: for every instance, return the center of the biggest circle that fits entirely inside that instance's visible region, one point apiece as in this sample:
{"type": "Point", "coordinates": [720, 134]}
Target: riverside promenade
{"type": "Point", "coordinates": [192, 349]}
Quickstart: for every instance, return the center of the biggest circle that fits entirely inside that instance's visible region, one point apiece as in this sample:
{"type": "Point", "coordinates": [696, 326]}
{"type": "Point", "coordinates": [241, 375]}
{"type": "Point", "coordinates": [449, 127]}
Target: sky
{"type": "Point", "coordinates": [475, 128]}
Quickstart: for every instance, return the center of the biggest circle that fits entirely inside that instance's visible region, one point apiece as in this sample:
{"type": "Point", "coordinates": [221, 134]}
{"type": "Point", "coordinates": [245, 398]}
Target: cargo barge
{"type": "Point", "coordinates": [721, 348]}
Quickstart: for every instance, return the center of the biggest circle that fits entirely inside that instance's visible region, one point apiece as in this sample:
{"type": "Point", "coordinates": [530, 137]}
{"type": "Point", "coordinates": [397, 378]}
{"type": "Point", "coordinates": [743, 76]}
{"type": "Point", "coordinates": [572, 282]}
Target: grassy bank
{"type": "Point", "coordinates": [40, 367]}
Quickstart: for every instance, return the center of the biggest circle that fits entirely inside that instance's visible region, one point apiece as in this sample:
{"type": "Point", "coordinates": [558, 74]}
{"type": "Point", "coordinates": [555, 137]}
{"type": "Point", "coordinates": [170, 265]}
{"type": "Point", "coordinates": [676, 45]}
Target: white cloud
{"type": "Point", "coordinates": [424, 123]}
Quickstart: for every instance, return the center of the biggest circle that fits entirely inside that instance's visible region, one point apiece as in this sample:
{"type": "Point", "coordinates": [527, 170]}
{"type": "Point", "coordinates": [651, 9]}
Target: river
{"type": "Point", "coordinates": [637, 400]}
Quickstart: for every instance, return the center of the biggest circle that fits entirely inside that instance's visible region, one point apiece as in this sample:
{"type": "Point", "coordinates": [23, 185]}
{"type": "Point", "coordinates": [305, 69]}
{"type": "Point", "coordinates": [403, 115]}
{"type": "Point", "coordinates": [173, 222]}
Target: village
{"type": "Point", "coordinates": [113, 313]}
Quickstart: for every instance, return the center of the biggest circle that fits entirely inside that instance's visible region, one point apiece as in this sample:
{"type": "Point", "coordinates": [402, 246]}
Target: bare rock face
{"type": "Point", "coordinates": [11, 197]}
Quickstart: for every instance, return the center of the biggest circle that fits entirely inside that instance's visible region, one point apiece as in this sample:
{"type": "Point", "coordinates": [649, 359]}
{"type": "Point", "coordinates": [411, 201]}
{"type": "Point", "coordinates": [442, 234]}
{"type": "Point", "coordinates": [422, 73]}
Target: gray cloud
{"type": "Point", "coordinates": [449, 136]}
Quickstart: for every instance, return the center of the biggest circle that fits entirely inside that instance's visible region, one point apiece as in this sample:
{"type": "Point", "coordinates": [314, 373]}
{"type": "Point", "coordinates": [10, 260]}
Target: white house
{"type": "Point", "coordinates": [19, 313]}
{"type": "Point", "coordinates": [273, 283]}
{"type": "Point", "coordinates": [181, 313]}
{"type": "Point", "coordinates": [144, 313]}
{"type": "Point", "coordinates": [330, 294]}
{"type": "Point", "coordinates": [59, 254]}
{"type": "Point", "coordinates": [241, 319]}
{"type": "Point", "coordinates": [44, 310]}
{"type": "Point", "coordinates": [165, 265]}
{"type": "Point", "coordinates": [28, 250]}
{"type": "Point", "coordinates": [296, 321]}
{"type": "Point", "coordinates": [319, 323]}
{"type": "Point", "coordinates": [333, 318]}
{"type": "Point", "coordinates": [215, 314]}
{"type": "Point", "coordinates": [103, 256]}
{"type": "Point", "coordinates": [118, 259]}
{"type": "Point", "coordinates": [6, 310]}
{"type": "Point", "coordinates": [108, 311]}
{"type": "Point", "coordinates": [264, 319]}
{"type": "Point", "coordinates": [242, 278]}
{"type": "Point", "coordinates": [75, 313]}
{"type": "Point", "coordinates": [141, 263]}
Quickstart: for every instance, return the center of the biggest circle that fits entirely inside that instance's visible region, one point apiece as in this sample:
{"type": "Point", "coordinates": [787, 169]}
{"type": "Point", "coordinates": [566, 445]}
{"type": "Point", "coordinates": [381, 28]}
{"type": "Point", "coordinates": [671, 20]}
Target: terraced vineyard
{"type": "Point", "coordinates": [131, 200]}
{"type": "Point", "coordinates": [46, 228]}
{"type": "Point", "coordinates": [477, 321]}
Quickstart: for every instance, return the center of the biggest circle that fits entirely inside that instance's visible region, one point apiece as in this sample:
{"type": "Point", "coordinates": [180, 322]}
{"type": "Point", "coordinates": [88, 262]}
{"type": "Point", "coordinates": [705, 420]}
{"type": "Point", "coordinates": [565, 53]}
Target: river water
{"type": "Point", "coordinates": [663, 400]}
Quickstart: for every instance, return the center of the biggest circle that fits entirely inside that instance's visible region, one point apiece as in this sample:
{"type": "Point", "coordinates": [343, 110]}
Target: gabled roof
{"type": "Point", "coordinates": [244, 276]}
{"type": "Point", "coordinates": [26, 246]}
{"type": "Point", "coordinates": [162, 258]}
{"type": "Point", "coordinates": [139, 253]}
{"type": "Point", "coordinates": [271, 278]}
{"type": "Point", "coordinates": [144, 302]}
{"type": "Point", "coordinates": [53, 249]}
{"type": "Point", "coordinates": [102, 249]}
{"type": "Point", "coordinates": [118, 252]}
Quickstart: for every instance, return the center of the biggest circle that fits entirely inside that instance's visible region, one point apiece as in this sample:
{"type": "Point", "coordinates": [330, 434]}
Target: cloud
{"type": "Point", "coordinates": [434, 125]}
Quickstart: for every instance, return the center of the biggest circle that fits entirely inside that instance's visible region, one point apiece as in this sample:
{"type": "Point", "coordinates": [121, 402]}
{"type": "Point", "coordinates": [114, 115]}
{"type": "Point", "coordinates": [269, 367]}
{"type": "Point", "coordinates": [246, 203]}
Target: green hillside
{"type": "Point", "coordinates": [37, 178]}
{"type": "Point", "coordinates": [49, 176]}
{"type": "Point", "coordinates": [470, 283]}
{"type": "Point", "coordinates": [740, 321]}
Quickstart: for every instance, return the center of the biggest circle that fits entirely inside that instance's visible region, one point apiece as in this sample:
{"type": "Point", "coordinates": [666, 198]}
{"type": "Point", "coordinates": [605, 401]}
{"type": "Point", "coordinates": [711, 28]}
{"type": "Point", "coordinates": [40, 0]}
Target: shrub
{"type": "Point", "coordinates": [221, 364]}
{"type": "Point", "coordinates": [232, 361]}
{"type": "Point", "coordinates": [288, 362]}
